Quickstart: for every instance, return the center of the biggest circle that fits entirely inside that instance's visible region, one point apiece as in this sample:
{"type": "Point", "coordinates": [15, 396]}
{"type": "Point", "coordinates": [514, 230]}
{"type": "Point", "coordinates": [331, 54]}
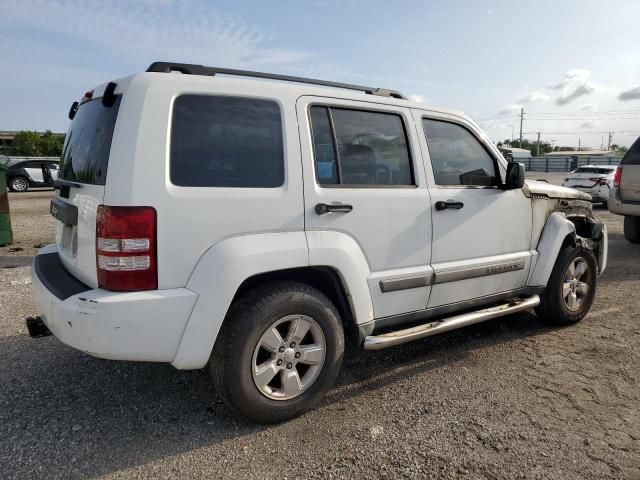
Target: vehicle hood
{"type": "Point", "coordinates": [548, 190]}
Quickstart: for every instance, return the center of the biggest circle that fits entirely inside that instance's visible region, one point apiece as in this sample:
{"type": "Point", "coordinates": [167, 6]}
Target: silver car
{"type": "Point", "coordinates": [624, 198]}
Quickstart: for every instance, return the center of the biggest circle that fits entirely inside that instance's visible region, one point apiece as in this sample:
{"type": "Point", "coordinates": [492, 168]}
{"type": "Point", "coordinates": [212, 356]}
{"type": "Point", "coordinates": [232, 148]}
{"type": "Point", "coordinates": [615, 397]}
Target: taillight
{"type": "Point", "coordinates": [126, 248]}
{"type": "Point", "coordinates": [617, 177]}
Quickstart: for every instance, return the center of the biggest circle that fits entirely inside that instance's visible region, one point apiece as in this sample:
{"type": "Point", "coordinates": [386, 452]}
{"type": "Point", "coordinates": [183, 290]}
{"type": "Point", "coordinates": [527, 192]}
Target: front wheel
{"type": "Point", "coordinates": [571, 287]}
{"type": "Point", "coordinates": [279, 350]}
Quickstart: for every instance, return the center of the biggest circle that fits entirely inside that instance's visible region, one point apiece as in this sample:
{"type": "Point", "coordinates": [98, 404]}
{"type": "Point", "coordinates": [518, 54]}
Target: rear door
{"type": "Point", "coordinates": [363, 179]}
{"type": "Point", "coordinates": [83, 169]}
{"type": "Point", "coordinates": [630, 181]}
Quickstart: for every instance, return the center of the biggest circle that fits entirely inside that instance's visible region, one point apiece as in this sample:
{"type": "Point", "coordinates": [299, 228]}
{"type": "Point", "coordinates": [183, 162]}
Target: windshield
{"type": "Point", "coordinates": [88, 142]}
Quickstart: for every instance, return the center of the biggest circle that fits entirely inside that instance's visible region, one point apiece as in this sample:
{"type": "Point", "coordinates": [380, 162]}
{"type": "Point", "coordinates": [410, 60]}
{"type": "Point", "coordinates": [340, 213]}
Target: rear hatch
{"type": "Point", "coordinates": [81, 184]}
{"type": "Point", "coordinates": [630, 180]}
{"type": "Point", "coordinates": [586, 178]}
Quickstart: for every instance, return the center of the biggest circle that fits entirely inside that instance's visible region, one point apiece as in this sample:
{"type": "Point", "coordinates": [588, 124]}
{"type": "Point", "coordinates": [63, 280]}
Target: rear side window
{"type": "Point", "coordinates": [226, 142]}
{"type": "Point", "coordinates": [457, 157]}
{"type": "Point", "coordinates": [601, 171]}
{"type": "Point", "coordinates": [632, 157]}
{"type": "Point", "coordinates": [357, 147]}
{"type": "Point", "coordinates": [85, 154]}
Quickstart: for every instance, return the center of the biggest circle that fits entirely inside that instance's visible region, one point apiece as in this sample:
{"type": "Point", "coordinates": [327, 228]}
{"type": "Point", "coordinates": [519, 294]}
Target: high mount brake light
{"type": "Point", "coordinates": [126, 248]}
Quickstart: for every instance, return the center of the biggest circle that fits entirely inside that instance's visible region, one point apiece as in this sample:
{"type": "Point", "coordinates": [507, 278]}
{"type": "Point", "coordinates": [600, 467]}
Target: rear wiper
{"type": "Point", "coordinates": [65, 183]}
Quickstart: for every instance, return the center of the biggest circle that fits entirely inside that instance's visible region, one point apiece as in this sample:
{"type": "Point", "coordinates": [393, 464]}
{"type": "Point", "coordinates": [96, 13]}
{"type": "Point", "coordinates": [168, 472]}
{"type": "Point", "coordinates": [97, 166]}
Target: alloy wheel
{"type": "Point", "coordinates": [288, 357]}
{"type": "Point", "coordinates": [577, 283]}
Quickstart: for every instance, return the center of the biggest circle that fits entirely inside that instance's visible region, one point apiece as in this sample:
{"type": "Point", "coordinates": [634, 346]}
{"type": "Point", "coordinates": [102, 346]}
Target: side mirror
{"type": "Point", "coordinates": [515, 176]}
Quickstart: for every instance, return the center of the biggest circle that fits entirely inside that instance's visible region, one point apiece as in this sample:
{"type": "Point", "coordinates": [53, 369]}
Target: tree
{"type": "Point", "coordinates": [34, 144]}
{"type": "Point", "coordinates": [27, 143]}
{"type": "Point", "coordinates": [50, 144]}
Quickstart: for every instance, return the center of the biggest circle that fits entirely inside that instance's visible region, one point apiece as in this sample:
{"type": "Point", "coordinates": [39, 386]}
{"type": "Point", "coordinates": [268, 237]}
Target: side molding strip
{"type": "Point", "coordinates": [395, 284]}
{"type": "Point", "coordinates": [405, 283]}
{"type": "Point", "coordinates": [481, 271]}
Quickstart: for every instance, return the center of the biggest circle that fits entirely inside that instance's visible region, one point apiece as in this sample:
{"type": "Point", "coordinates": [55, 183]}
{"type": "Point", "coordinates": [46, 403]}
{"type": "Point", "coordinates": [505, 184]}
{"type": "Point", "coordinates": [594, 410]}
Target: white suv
{"type": "Point", "coordinates": [250, 223]}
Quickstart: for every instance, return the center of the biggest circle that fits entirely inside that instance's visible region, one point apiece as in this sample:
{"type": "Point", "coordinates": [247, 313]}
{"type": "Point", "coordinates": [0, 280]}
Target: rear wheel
{"type": "Point", "coordinates": [19, 184]}
{"type": "Point", "coordinates": [632, 229]}
{"type": "Point", "coordinates": [279, 351]}
{"type": "Point", "coordinates": [571, 287]}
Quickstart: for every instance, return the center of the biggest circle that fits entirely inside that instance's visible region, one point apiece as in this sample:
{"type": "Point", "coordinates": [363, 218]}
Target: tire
{"type": "Point", "coordinates": [632, 229]}
{"type": "Point", "coordinates": [566, 301]}
{"type": "Point", "coordinates": [19, 184]}
{"type": "Point", "coordinates": [247, 348]}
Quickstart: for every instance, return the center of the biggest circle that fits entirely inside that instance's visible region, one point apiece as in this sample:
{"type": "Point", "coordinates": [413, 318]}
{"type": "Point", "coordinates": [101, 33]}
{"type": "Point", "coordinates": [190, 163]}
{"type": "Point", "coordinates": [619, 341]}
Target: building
{"type": "Point", "coordinates": [583, 153]}
{"type": "Point", "coordinates": [512, 153]}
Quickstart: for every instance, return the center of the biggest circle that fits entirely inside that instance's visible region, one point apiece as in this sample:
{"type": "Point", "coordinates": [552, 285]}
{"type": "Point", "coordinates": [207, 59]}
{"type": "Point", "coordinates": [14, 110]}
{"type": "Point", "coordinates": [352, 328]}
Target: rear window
{"type": "Point", "coordinates": [598, 170]}
{"type": "Point", "coordinates": [226, 142]}
{"type": "Point", "coordinates": [85, 154]}
{"type": "Point", "coordinates": [632, 157]}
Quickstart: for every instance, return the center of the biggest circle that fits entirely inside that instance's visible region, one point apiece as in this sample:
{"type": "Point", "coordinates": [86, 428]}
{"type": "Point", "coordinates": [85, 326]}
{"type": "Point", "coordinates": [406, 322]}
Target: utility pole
{"type": "Point", "coordinates": [538, 149]}
{"type": "Point", "coordinates": [521, 118]}
{"type": "Point", "coordinates": [579, 144]}
{"type": "Point", "coordinates": [610, 138]}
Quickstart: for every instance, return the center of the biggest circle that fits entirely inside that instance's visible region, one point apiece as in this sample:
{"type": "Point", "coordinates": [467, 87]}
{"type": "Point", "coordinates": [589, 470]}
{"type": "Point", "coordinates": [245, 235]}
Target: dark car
{"type": "Point", "coordinates": [31, 173]}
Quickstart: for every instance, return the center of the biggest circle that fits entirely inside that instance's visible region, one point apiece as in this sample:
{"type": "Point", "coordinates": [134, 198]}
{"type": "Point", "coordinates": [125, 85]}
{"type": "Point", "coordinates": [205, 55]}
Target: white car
{"type": "Point", "coordinates": [596, 180]}
{"type": "Point", "coordinates": [250, 223]}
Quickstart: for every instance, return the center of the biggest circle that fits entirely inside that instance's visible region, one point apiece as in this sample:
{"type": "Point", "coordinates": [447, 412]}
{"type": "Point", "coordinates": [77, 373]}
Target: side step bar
{"type": "Point", "coordinates": [378, 342]}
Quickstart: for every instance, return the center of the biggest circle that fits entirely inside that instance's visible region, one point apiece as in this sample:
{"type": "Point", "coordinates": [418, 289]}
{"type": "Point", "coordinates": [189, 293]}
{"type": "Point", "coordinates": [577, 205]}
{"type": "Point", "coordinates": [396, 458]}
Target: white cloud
{"type": "Point", "coordinates": [575, 84]}
{"type": "Point", "coordinates": [534, 97]}
{"type": "Point", "coordinates": [569, 95]}
{"type": "Point", "coordinates": [590, 124]}
{"type": "Point", "coordinates": [419, 98]}
{"type": "Point", "coordinates": [188, 31]}
{"type": "Point", "coordinates": [589, 107]}
{"type": "Point", "coordinates": [510, 109]}
{"type": "Point", "coordinates": [631, 94]}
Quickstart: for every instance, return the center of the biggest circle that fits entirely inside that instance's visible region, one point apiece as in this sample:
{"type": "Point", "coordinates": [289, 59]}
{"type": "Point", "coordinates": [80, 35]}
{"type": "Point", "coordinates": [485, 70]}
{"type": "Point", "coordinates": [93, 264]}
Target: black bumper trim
{"type": "Point", "coordinates": [56, 278]}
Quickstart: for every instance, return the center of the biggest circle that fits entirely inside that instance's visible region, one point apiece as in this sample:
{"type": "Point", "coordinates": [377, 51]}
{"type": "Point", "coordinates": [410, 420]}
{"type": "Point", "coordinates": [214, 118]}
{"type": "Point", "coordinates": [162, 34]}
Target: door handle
{"type": "Point", "coordinates": [449, 204]}
{"type": "Point", "coordinates": [324, 208]}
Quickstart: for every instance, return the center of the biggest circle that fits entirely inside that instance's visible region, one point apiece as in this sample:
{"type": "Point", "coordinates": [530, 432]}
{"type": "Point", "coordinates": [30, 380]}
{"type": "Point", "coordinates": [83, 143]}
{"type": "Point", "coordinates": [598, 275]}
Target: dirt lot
{"type": "Point", "coordinates": [511, 398]}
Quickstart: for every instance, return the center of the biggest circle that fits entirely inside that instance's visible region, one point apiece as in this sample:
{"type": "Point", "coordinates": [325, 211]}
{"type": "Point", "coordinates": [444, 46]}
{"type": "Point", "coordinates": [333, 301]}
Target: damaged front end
{"type": "Point", "coordinates": [577, 208]}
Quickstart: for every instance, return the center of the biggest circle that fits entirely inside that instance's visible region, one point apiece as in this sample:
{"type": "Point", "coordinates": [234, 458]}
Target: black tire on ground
{"type": "Point", "coordinates": [605, 204]}
{"type": "Point", "coordinates": [236, 350]}
{"type": "Point", "coordinates": [632, 229]}
{"type": "Point", "coordinates": [554, 305]}
{"type": "Point", "coordinates": [19, 184]}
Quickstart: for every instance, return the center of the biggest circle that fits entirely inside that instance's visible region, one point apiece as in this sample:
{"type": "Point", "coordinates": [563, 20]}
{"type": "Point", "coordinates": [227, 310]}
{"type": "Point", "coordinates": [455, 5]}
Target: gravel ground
{"type": "Point", "coordinates": [510, 398]}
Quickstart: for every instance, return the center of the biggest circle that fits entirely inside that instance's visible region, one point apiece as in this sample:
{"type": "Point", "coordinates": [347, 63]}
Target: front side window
{"type": "Point", "coordinates": [357, 147]}
{"type": "Point", "coordinates": [457, 157]}
{"type": "Point", "coordinates": [221, 141]}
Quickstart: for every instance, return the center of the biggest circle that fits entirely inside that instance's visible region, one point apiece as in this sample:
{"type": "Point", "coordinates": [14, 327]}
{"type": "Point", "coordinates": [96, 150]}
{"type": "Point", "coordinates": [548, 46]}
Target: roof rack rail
{"type": "Point", "coordinates": [191, 69]}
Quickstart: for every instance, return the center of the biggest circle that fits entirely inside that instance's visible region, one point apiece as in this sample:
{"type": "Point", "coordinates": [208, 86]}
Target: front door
{"type": "Point", "coordinates": [481, 233]}
{"type": "Point", "coordinates": [365, 189]}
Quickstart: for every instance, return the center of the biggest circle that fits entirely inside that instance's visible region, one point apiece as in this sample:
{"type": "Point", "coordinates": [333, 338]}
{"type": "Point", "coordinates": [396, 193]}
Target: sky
{"type": "Point", "coordinates": [573, 65]}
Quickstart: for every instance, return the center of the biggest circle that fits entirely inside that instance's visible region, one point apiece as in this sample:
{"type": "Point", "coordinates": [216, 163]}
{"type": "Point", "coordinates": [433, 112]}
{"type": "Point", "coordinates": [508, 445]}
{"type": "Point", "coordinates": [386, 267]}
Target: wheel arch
{"type": "Point", "coordinates": [558, 232]}
{"type": "Point", "coordinates": [235, 265]}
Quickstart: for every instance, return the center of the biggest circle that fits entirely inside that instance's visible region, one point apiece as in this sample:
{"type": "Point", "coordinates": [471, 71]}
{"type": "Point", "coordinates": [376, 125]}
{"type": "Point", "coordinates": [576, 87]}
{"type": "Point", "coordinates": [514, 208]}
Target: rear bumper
{"type": "Point", "coordinates": [141, 326]}
{"type": "Point", "coordinates": [617, 205]}
{"type": "Point", "coordinates": [598, 193]}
